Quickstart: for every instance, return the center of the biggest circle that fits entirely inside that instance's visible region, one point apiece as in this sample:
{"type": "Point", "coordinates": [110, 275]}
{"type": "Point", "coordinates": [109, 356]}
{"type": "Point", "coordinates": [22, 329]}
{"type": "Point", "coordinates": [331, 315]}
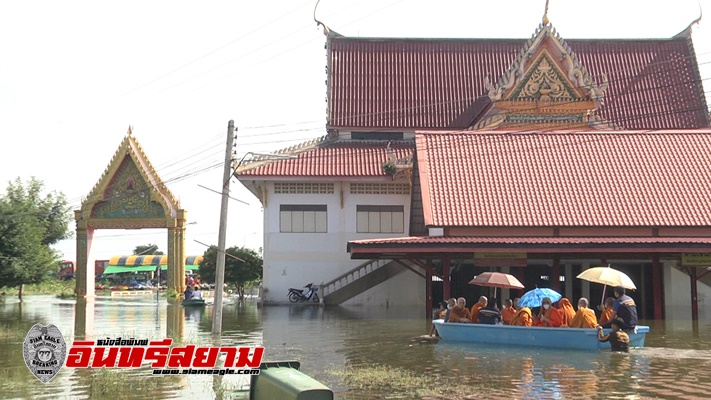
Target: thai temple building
{"type": "Point", "coordinates": [539, 157]}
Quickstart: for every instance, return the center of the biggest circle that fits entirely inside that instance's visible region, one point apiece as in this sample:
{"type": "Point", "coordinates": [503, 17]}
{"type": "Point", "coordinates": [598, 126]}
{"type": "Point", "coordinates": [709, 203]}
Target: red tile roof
{"type": "Point", "coordinates": [375, 248]}
{"type": "Point", "coordinates": [331, 159]}
{"type": "Point", "coordinates": [532, 240]}
{"type": "Point", "coordinates": [614, 178]}
{"type": "Point", "coordinates": [432, 83]}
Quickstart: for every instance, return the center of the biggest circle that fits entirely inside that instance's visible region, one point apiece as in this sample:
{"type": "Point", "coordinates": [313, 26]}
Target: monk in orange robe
{"type": "Point", "coordinates": [474, 313]}
{"type": "Point", "coordinates": [585, 317]}
{"type": "Point", "coordinates": [566, 310]}
{"type": "Point", "coordinates": [459, 313]}
{"type": "Point", "coordinates": [549, 316]}
{"type": "Point", "coordinates": [508, 313]}
{"type": "Point", "coordinates": [607, 310]}
{"type": "Point", "coordinates": [523, 317]}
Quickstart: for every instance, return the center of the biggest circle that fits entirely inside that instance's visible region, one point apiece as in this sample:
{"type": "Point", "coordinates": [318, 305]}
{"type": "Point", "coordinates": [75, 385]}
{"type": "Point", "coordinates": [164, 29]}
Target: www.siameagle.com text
{"type": "Point", "coordinates": [202, 371]}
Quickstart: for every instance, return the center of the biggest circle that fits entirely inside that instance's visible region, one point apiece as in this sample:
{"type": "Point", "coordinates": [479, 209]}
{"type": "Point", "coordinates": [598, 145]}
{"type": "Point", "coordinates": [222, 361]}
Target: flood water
{"type": "Point", "coordinates": [361, 353]}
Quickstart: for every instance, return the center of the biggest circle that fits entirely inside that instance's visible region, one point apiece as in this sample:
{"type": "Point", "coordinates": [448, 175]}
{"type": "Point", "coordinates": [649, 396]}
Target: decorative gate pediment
{"type": "Point", "coordinates": [130, 195]}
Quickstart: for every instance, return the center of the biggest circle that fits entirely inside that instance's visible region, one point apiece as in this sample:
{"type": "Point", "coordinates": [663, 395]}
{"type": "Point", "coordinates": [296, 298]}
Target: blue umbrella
{"type": "Point", "coordinates": [534, 298]}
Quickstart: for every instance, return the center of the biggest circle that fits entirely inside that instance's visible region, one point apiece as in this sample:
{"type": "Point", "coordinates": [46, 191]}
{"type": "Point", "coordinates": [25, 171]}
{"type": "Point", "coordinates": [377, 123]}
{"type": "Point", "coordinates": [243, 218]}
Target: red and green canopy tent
{"type": "Point", "coordinates": [148, 263]}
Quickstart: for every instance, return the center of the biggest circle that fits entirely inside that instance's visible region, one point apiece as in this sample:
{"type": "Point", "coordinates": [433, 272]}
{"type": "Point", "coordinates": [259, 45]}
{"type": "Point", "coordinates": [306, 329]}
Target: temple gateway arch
{"type": "Point", "coordinates": [129, 195]}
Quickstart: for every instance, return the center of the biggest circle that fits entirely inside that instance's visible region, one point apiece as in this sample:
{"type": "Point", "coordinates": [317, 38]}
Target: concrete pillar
{"type": "Point", "coordinates": [176, 259]}
{"type": "Point", "coordinates": [657, 295]}
{"type": "Point", "coordinates": [445, 276]}
{"type": "Point", "coordinates": [642, 305]}
{"type": "Point", "coordinates": [505, 293]}
{"type": "Point", "coordinates": [585, 286]}
{"type": "Point", "coordinates": [555, 276]}
{"type": "Point", "coordinates": [671, 309]}
{"type": "Point", "coordinates": [694, 296]}
{"type": "Point", "coordinates": [428, 290]}
{"type": "Point", "coordinates": [173, 272]}
{"type": "Point", "coordinates": [84, 271]}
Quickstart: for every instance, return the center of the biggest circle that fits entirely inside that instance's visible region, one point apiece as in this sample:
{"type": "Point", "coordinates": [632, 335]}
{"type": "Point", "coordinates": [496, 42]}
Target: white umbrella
{"type": "Point", "coordinates": [607, 276]}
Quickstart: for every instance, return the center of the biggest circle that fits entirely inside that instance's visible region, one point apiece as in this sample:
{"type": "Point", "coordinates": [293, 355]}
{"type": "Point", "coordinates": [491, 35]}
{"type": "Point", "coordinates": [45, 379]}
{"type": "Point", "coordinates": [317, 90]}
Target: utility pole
{"type": "Point", "coordinates": [220, 272]}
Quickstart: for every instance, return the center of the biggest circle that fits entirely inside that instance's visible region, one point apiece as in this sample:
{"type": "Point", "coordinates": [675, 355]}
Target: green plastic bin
{"type": "Point", "coordinates": [282, 380]}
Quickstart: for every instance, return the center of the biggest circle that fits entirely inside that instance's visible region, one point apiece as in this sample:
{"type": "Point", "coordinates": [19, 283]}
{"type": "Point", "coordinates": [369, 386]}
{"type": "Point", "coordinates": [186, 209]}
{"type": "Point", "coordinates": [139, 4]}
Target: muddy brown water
{"type": "Point", "coordinates": [335, 345]}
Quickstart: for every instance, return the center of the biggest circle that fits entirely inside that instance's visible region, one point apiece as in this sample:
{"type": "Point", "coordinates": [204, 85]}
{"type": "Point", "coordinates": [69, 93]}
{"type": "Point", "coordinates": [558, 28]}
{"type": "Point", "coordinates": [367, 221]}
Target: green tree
{"type": "Point", "coordinates": [239, 273]}
{"type": "Point", "coordinates": [147, 249]}
{"type": "Point", "coordinates": [30, 223]}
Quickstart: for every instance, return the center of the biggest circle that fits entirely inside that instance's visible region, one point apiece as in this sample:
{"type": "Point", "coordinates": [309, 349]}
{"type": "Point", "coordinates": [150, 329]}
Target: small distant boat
{"type": "Point", "coordinates": [559, 338]}
{"type": "Point", "coordinates": [193, 303]}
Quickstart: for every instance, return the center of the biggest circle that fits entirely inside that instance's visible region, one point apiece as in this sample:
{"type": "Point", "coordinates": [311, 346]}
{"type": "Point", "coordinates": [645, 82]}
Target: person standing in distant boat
{"type": "Point", "coordinates": [197, 294]}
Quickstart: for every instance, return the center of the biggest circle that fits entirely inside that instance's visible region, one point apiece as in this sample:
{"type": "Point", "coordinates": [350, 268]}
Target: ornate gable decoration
{"type": "Point", "coordinates": [544, 82]}
{"type": "Point", "coordinates": [545, 86]}
{"type": "Point", "coordinates": [130, 194]}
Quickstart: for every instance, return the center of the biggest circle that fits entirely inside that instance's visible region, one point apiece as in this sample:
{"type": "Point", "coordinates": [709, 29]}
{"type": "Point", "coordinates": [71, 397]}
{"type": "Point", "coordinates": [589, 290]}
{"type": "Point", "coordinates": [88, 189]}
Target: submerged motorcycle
{"type": "Point", "coordinates": [306, 294]}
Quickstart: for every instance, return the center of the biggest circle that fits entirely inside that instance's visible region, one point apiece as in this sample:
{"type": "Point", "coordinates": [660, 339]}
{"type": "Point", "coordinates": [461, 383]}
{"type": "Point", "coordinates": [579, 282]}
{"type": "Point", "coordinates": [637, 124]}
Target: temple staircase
{"type": "Point", "coordinates": [358, 280]}
{"type": "Point", "coordinates": [706, 279]}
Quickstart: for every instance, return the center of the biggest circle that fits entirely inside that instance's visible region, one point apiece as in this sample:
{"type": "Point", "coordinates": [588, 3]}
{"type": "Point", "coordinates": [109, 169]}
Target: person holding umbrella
{"type": "Point", "coordinates": [624, 308]}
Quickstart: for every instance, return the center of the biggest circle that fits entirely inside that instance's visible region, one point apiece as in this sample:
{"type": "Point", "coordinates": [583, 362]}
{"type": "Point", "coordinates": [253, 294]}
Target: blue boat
{"type": "Point", "coordinates": [558, 338]}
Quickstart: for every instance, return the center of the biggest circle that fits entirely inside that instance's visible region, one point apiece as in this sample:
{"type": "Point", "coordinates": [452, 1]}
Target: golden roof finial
{"type": "Point", "coordinates": [130, 130]}
{"type": "Point", "coordinates": [545, 15]}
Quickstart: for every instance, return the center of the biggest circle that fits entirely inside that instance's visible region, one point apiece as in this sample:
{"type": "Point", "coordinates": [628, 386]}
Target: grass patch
{"type": "Point", "coordinates": [114, 384]}
{"type": "Point", "coordinates": [383, 377]}
{"type": "Point", "coordinates": [389, 382]}
{"type": "Point", "coordinates": [52, 286]}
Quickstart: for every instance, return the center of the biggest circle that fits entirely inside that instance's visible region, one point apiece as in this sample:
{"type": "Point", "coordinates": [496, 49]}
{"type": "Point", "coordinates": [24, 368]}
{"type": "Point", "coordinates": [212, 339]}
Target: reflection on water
{"type": "Point", "coordinates": [676, 364]}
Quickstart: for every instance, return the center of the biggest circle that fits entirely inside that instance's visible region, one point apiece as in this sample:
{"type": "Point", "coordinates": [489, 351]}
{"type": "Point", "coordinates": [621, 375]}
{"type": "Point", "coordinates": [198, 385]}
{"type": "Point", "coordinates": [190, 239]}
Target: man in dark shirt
{"type": "Point", "coordinates": [490, 314]}
{"type": "Point", "coordinates": [619, 340]}
{"type": "Point", "coordinates": [624, 308]}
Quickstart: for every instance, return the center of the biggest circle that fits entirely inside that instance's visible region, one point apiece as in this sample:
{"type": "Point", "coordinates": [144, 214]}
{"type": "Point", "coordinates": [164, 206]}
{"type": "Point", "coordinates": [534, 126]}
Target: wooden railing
{"type": "Point", "coordinates": [351, 276]}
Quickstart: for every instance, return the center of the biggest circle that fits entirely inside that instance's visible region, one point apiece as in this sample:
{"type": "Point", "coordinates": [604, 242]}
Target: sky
{"type": "Point", "coordinates": [74, 75]}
